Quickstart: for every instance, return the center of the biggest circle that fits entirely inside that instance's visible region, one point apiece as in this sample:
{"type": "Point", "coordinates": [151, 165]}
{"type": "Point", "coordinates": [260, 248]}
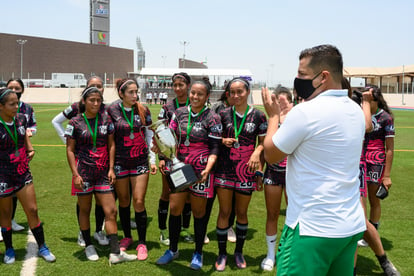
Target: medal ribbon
{"type": "Point", "coordinates": [238, 130]}
{"type": "Point", "coordinates": [130, 123]}
{"type": "Point", "coordinates": [14, 137]}
{"type": "Point", "coordinates": [176, 102]}
{"type": "Point", "coordinates": [190, 127]}
{"type": "Point", "coordinates": [94, 134]}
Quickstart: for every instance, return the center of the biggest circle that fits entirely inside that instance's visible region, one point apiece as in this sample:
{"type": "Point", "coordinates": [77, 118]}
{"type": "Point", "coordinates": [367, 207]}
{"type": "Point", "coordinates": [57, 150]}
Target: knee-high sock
{"type": "Point", "coordinates": [86, 234]}
{"type": "Point", "coordinates": [7, 237]}
{"type": "Point", "coordinates": [114, 244]}
{"type": "Point", "coordinates": [39, 235]}
{"type": "Point", "coordinates": [125, 217]}
{"type": "Point", "coordinates": [186, 215]}
{"type": "Point", "coordinates": [141, 221]}
{"type": "Point", "coordinates": [174, 225]}
{"type": "Point", "coordinates": [222, 240]}
{"type": "Point", "coordinates": [241, 232]}
{"type": "Point", "coordinates": [271, 245]}
{"type": "Point", "coordinates": [199, 232]}
{"type": "Point", "coordinates": [99, 217]}
{"type": "Point", "coordinates": [162, 214]}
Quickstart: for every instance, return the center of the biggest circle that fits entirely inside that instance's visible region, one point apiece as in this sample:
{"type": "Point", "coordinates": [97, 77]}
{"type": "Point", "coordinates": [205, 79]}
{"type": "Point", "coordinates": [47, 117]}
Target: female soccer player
{"type": "Point", "coordinates": [181, 84]}
{"type": "Point", "coordinates": [90, 149]}
{"type": "Point", "coordinates": [199, 133]}
{"type": "Point", "coordinates": [15, 177]}
{"type": "Point", "coordinates": [67, 114]}
{"type": "Point", "coordinates": [244, 128]}
{"type": "Point", "coordinates": [131, 161]}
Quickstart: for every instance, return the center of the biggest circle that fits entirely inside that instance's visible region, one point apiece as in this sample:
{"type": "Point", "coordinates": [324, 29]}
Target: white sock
{"type": "Point", "coordinates": [271, 245]}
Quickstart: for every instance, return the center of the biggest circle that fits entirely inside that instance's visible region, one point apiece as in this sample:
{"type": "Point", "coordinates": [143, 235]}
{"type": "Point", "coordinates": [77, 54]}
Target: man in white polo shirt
{"type": "Point", "coordinates": [322, 138]}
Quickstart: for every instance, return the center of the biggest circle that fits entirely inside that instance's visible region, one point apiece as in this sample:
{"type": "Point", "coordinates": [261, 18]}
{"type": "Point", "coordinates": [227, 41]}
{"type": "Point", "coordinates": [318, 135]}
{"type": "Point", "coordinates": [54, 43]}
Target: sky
{"type": "Point", "coordinates": [264, 36]}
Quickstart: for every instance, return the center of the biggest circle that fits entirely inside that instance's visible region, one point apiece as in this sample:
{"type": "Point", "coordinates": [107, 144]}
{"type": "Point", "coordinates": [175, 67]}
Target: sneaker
{"type": "Point", "coordinates": [267, 264]}
{"type": "Point", "coordinates": [121, 257]}
{"type": "Point", "coordinates": [90, 253]}
{"type": "Point", "coordinates": [221, 262]}
{"type": "Point", "coordinates": [125, 243]}
{"type": "Point", "coordinates": [142, 252]}
{"type": "Point", "coordinates": [362, 243]}
{"type": "Point", "coordinates": [239, 260]}
{"type": "Point", "coordinates": [168, 257]}
{"type": "Point", "coordinates": [164, 237]}
{"type": "Point", "coordinates": [45, 253]}
{"type": "Point", "coordinates": [196, 261]}
{"type": "Point", "coordinates": [231, 236]}
{"type": "Point", "coordinates": [133, 224]}
{"type": "Point", "coordinates": [389, 269]}
{"type": "Point", "coordinates": [101, 238]}
{"type": "Point", "coordinates": [206, 239]}
{"type": "Point", "coordinates": [186, 235]}
{"type": "Point", "coordinates": [81, 241]}
{"type": "Point", "coordinates": [16, 227]}
{"type": "Point", "coordinates": [9, 256]}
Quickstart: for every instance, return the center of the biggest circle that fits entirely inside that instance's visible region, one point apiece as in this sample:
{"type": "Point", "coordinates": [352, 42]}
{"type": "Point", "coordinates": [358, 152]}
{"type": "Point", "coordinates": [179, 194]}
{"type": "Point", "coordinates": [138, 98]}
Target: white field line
{"type": "Point", "coordinates": [30, 260]}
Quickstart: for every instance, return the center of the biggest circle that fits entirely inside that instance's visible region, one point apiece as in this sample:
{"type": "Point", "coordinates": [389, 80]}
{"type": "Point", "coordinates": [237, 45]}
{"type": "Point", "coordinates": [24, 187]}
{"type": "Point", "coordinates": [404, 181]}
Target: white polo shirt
{"type": "Point", "coordinates": [323, 139]}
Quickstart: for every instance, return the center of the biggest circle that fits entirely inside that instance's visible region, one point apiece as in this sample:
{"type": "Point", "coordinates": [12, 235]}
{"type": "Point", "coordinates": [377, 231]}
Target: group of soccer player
{"type": "Point", "coordinates": [109, 153]}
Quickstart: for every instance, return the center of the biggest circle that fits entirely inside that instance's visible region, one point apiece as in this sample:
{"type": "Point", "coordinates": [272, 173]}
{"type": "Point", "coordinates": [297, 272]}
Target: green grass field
{"type": "Point", "coordinates": [52, 179]}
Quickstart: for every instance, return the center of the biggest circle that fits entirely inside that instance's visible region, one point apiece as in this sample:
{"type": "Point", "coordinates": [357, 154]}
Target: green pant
{"type": "Point", "coordinates": [307, 255]}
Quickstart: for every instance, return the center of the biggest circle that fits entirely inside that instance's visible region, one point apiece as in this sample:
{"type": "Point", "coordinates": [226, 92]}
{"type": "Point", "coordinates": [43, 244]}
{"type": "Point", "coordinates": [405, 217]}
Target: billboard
{"type": "Point", "coordinates": [99, 22]}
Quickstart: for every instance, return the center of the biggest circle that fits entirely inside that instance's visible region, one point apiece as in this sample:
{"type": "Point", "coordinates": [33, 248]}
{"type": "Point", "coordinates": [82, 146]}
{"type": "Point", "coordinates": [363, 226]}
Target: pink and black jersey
{"type": "Point", "coordinates": [28, 112]}
{"type": "Point", "coordinates": [383, 125]}
{"type": "Point", "coordinates": [12, 162]}
{"type": "Point", "coordinates": [128, 148]}
{"type": "Point", "coordinates": [204, 138]}
{"type": "Point", "coordinates": [168, 109]}
{"type": "Point", "coordinates": [232, 162]}
{"type": "Point", "coordinates": [77, 129]}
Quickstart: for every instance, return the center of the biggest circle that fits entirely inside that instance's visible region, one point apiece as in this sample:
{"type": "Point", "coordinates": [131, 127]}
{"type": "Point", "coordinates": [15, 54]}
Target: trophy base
{"type": "Point", "coordinates": [181, 178]}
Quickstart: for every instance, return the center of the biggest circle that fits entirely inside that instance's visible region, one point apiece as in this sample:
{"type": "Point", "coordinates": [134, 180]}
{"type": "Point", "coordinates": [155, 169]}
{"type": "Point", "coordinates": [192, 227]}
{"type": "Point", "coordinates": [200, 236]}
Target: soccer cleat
{"type": "Point", "coordinates": [90, 253]}
{"type": "Point", "coordinates": [168, 257]}
{"type": "Point", "coordinates": [142, 252]}
{"type": "Point", "coordinates": [206, 239]}
{"type": "Point", "coordinates": [164, 237]}
{"type": "Point", "coordinates": [196, 261]}
{"type": "Point", "coordinates": [389, 269]}
{"type": "Point", "coordinates": [221, 262]}
{"type": "Point", "coordinates": [101, 238]}
{"type": "Point", "coordinates": [186, 235]}
{"type": "Point", "coordinates": [267, 264]}
{"type": "Point", "coordinates": [133, 224]}
{"type": "Point", "coordinates": [239, 260]}
{"type": "Point", "coordinates": [9, 256]}
{"type": "Point", "coordinates": [45, 253]}
{"type": "Point", "coordinates": [81, 241]}
{"type": "Point", "coordinates": [231, 236]}
{"type": "Point", "coordinates": [16, 227]}
{"type": "Point", "coordinates": [121, 257]}
{"type": "Point", "coordinates": [125, 243]}
{"type": "Point", "coordinates": [362, 243]}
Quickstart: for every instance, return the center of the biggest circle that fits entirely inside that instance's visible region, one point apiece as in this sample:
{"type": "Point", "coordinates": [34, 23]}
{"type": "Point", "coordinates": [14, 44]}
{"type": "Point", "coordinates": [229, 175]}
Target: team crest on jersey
{"type": "Point", "coordinates": [21, 130]}
{"type": "Point", "coordinates": [389, 128]}
{"type": "Point", "coordinates": [137, 118]}
{"type": "Point", "coordinates": [250, 127]}
{"type": "Point", "coordinates": [103, 130]}
{"type": "Point", "coordinates": [217, 128]}
{"type": "Point", "coordinates": [197, 126]}
{"type": "Point", "coordinates": [69, 130]}
{"type": "Point", "coordinates": [3, 187]}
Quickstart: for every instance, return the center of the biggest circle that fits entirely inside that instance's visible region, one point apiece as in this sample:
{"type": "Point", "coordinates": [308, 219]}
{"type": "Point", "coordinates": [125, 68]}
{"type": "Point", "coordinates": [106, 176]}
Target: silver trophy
{"type": "Point", "coordinates": [181, 175]}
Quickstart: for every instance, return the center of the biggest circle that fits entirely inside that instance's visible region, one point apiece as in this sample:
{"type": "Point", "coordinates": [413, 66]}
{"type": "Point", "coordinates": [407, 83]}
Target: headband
{"type": "Point", "coordinates": [125, 83]}
{"type": "Point", "coordinates": [6, 92]}
{"type": "Point", "coordinates": [89, 90]}
{"type": "Point", "coordinates": [241, 80]}
{"type": "Point", "coordinates": [180, 76]}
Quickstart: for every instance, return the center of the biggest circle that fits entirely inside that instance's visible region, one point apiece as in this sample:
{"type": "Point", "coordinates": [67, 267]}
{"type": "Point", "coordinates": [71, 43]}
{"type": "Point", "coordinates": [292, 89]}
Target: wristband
{"type": "Point", "coordinates": [259, 173]}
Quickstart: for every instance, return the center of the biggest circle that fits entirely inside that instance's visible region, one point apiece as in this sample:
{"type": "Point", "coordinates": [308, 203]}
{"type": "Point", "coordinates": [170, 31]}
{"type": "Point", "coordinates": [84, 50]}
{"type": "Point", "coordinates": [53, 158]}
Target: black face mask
{"type": "Point", "coordinates": [304, 88]}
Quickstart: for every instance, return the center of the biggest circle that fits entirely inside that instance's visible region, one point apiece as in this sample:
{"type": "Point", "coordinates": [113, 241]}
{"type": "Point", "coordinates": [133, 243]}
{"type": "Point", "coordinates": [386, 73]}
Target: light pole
{"type": "Point", "coordinates": [184, 43]}
{"type": "Point", "coordinates": [163, 61]}
{"type": "Point", "coordinates": [21, 42]}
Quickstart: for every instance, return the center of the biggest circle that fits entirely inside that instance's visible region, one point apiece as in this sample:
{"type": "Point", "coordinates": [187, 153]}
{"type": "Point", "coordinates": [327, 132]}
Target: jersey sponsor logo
{"type": "Point", "coordinates": [217, 128]}
{"type": "Point", "coordinates": [197, 126]}
{"type": "Point", "coordinates": [3, 187]}
{"type": "Point", "coordinates": [389, 128]}
{"type": "Point", "coordinates": [250, 127]}
{"type": "Point", "coordinates": [21, 130]}
{"type": "Point", "coordinates": [69, 130]}
{"type": "Point", "coordinates": [263, 126]}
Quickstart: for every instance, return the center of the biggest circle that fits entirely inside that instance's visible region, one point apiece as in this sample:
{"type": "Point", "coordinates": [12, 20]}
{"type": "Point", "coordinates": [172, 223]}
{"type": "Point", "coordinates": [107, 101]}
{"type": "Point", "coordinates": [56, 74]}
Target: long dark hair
{"type": "Point", "coordinates": [121, 86]}
{"type": "Point", "coordinates": [85, 94]}
{"type": "Point", "coordinates": [379, 98]}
